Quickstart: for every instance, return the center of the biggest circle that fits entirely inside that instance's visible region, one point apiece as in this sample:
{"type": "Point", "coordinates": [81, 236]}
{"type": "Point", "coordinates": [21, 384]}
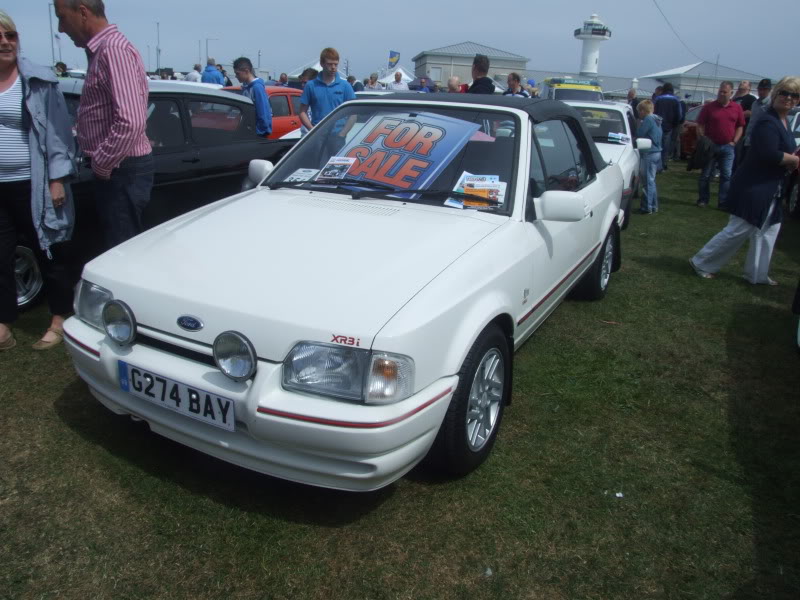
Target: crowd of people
{"type": "Point", "coordinates": [38, 155]}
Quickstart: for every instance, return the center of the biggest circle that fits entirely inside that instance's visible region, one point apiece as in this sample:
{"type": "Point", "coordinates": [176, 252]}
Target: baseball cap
{"type": "Point", "coordinates": [765, 84]}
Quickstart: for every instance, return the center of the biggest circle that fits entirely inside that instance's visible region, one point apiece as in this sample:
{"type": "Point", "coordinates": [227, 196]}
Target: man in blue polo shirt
{"type": "Point", "coordinates": [325, 93]}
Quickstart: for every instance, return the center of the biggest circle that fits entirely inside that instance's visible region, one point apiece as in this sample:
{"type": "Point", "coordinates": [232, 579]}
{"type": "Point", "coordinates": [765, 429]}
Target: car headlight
{"type": "Point", "coordinates": [235, 355]}
{"type": "Point", "coordinates": [348, 373]}
{"type": "Point", "coordinates": [89, 302]}
{"type": "Point", "coordinates": [119, 322]}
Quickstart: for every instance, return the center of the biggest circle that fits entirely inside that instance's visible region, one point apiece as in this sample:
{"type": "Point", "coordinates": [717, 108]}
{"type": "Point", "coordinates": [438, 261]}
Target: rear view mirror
{"type": "Point", "coordinates": [567, 207]}
{"type": "Point", "coordinates": [644, 143]}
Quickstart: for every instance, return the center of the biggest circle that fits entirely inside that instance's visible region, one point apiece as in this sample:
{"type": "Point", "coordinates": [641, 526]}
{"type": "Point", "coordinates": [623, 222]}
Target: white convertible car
{"type": "Point", "coordinates": [612, 126]}
{"type": "Point", "coordinates": [359, 309]}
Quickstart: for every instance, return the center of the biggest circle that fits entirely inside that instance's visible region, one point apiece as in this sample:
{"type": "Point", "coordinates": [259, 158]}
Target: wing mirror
{"type": "Point", "coordinates": [644, 143]}
{"type": "Point", "coordinates": [257, 172]}
{"type": "Point", "coordinates": [567, 207]}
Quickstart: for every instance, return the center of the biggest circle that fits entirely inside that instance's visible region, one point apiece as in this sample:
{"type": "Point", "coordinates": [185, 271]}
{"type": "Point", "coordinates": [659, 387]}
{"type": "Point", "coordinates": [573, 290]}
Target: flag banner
{"type": "Point", "coordinates": [394, 58]}
{"type": "Point", "coordinates": [406, 152]}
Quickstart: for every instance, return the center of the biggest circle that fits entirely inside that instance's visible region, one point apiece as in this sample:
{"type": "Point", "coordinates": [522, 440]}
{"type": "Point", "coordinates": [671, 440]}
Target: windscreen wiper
{"type": "Point", "coordinates": [358, 194]}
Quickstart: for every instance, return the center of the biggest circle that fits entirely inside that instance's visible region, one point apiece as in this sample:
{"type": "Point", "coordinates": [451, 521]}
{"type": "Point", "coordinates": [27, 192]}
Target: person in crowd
{"type": "Point", "coordinates": [36, 159]}
{"type": "Point", "coordinates": [722, 121]}
{"type": "Point", "coordinates": [515, 86]}
{"type": "Point", "coordinates": [668, 107]}
{"type": "Point", "coordinates": [114, 140]}
{"type": "Point", "coordinates": [283, 80]}
{"type": "Point", "coordinates": [212, 74]}
{"type": "Point", "coordinates": [226, 81]}
{"type": "Point", "coordinates": [398, 85]}
{"type": "Point", "coordinates": [481, 84]}
{"type": "Point", "coordinates": [632, 100]}
{"type": "Point", "coordinates": [355, 83]}
{"type": "Point", "coordinates": [423, 85]}
{"type": "Point", "coordinates": [453, 85]}
{"type": "Point", "coordinates": [756, 192]}
{"type": "Point", "coordinates": [194, 75]}
{"type": "Point", "coordinates": [657, 92]}
{"type": "Point", "coordinates": [322, 95]}
{"type": "Point", "coordinates": [164, 75]}
{"type": "Point", "coordinates": [373, 84]}
{"type": "Point", "coordinates": [307, 75]}
{"type": "Point", "coordinates": [253, 88]}
{"type": "Point", "coordinates": [650, 128]}
{"type": "Point", "coordinates": [757, 108]}
{"type": "Point", "coordinates": [744, 98]}
{"type": "Point", "coordinates": [61, 69]}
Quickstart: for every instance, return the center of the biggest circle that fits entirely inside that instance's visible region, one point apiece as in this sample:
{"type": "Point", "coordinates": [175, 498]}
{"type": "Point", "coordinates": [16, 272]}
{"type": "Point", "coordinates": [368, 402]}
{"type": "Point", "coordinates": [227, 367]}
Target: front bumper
{"type": "Point", "coordinates": [290, 435]}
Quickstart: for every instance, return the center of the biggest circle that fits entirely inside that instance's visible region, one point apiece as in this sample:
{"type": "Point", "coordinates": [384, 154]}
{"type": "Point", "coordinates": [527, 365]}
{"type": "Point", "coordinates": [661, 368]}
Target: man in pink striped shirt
{"type": "Point", "coordinates": [111, 117]}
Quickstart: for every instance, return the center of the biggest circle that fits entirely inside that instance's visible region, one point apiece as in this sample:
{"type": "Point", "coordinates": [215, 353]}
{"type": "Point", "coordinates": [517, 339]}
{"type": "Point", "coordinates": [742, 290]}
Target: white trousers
{"type": "Point", "coordinates": [721, 248]}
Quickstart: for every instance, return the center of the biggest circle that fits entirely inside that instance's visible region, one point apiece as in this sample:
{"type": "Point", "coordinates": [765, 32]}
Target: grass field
{"type": "Point", "coordinates": [651, 451]}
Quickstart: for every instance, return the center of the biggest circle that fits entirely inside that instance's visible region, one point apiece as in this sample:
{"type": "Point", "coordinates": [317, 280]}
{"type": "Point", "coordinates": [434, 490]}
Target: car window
{"type": "Point", "coordinates": [537, 177]}
{"type": "Point", "coordinates": [559, 162]}
{"type": "Point", "coordinates": [296, 104]}
{"type": "Point", "coordinates": [443, 148]}
{"type": "Point", "coordinates": [581, 160]}
{"type": "Point", "coordinates": [279, 106]}
{"type": "Point", "coordinates": [604, 124]}
{"type": "Point", "coordinates": [164, 126]}
{"type": "Point", "coordinates": [215, 122]}
{"type": "Point", "coordinates": [693, 113]}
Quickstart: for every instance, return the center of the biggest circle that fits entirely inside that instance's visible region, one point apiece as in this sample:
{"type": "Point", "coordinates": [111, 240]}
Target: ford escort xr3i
{"type": "Point", "coordinates": [358, 310]}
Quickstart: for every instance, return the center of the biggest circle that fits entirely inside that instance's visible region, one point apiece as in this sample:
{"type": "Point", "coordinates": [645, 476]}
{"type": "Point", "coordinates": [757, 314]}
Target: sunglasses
{"type": "Point", "coordinates": [11, 36]}
{"type": "Point", "coordinates": [787, 94]}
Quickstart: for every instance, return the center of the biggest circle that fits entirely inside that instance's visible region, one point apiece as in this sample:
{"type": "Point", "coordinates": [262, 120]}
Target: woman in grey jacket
{"type": "Point", "coordinates": [37, 153]}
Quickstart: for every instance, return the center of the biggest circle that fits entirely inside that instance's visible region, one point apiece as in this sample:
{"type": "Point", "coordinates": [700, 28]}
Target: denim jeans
{"type": "Point", "coordinates": [122, 199]}
{"type": "Point", "coordinates": [666, 147]}
{"type": "Point", "coordinates": [723, 157]}
{"type": "Point", "coordinates": [648, 166]}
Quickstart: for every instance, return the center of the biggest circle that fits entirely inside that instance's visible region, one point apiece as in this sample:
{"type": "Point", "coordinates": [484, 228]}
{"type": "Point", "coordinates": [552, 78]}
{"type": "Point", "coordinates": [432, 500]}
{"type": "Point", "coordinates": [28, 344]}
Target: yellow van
{"type": "Point", "coordinates": [566, 88]}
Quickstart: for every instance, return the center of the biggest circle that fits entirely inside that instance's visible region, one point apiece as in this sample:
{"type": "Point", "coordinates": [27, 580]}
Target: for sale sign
{"type": "Point", "coordinates": [406, 151]}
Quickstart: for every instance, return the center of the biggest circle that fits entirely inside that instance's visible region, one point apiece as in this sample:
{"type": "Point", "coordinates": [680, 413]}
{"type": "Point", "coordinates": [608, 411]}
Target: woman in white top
{"type": "Point", "coordinates": [37, 153]}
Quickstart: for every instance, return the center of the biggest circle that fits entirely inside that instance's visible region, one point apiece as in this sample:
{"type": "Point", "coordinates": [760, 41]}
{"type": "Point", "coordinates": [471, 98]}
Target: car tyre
{"type": "Point", "coordinates": [470, 426]}
{"type": "Point", "coordinates": [628, 211]}
{"type": "Point", "coordinates": [594, 284]}
{"type": "Point", "coordinates": [27, 277]}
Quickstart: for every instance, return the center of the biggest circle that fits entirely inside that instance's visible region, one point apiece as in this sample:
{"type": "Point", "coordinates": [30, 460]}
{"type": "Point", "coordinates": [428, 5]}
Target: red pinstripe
{"type": "Point", "coordinates": [113, 109]}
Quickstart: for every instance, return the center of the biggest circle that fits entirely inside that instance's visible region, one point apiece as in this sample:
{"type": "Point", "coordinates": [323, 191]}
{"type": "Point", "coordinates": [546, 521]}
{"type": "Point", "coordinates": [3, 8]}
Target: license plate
{"type": "Point", "coordinates": [179, 397]}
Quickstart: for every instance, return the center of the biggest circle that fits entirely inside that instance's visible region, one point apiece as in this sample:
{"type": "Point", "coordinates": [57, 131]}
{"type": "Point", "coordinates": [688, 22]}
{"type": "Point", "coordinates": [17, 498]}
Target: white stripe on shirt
{"type": "Point", "coordinates": [15, 154]}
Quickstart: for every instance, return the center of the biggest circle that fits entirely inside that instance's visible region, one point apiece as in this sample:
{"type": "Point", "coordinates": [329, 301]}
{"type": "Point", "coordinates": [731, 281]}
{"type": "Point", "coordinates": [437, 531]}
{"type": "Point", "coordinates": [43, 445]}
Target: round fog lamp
{"type": "Point", "coordinates": [118, 321]}
{"type": "Point", "coordinates": [235, 355]}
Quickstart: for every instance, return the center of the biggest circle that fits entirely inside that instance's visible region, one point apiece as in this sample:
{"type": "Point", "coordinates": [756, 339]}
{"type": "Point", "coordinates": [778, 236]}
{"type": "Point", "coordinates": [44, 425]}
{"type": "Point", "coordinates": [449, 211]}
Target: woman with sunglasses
{"type": "Point", "coordinates": [754, 199]}
{"type": "Point", "coordinates": [37, 155]}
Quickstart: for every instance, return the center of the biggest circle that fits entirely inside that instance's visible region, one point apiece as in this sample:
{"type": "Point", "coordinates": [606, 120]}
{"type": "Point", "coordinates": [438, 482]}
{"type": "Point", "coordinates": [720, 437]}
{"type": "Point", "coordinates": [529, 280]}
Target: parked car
{"type": "Point", "coordinates": [612, 126]}
{"type": "Point", "coordinates": [688, 135]}
{"type": "Point", "coordinates": [285, 104]}
{"type": "Point", "coordinates": [566, 88]}
{"type": "Point", "coordinates": [359, 310]}
{"type": "Point", "coordinates": [203, 140]}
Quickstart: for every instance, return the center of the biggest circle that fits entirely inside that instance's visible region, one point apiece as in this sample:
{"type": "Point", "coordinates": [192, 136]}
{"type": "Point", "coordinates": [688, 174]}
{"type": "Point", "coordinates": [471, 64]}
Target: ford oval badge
{"type": "Point", "coordinates": [189, 323]}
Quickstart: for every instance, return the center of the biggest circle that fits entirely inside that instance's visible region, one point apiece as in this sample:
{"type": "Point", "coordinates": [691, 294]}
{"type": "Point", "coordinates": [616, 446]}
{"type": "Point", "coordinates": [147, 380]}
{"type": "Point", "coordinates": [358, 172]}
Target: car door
{"type": "Point", "coordinates": [557, 252]}
{"type": "Point", "coordinates": [283, 119]}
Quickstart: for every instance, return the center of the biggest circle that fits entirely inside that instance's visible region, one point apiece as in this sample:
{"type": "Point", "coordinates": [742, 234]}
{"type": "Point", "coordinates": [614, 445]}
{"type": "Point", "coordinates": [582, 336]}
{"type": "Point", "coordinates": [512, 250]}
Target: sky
{"type": "Point", "coordinates": [291, 34]}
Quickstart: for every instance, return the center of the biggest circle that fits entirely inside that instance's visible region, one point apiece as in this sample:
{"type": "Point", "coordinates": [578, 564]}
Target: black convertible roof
{"type": "Point", "coordinates": [539, 109]}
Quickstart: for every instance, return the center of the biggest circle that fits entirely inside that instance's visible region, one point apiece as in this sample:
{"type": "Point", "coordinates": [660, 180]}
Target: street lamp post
{"type": "Point", "coordinates": [158, 47]}
{"type": "Point", "coordinates": [210, 40]}
{"type": "Point", "coordinates": [52, 46]}
{"type": "Point", "coordinates": [259, 60]}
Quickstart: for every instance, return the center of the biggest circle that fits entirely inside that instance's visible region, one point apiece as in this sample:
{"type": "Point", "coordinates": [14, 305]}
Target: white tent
{"type": "Point", "coordinates": [407, 77]}
{"type": "Point", "coordinates": [312, 65]}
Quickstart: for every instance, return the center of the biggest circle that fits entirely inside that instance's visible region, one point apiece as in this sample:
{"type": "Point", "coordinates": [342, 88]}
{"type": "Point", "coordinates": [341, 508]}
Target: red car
{"type": "Point", "coordinates": [285, 105]}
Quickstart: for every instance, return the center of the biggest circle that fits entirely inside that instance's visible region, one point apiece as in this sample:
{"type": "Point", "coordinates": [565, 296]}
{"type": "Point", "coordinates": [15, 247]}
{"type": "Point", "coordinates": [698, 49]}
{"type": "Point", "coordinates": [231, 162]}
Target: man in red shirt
{"type": "Point", "coordinates": [112, 117]}
{"type": "Point", "coordinates": [722, 121]}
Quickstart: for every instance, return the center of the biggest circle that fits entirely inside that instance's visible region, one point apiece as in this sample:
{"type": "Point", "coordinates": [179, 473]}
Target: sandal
{"type": "Point", "coordinates": [42, 345]}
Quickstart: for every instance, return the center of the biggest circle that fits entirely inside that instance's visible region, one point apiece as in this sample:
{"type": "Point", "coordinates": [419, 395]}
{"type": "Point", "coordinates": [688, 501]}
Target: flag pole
{"type": "Point", "coordinates": [52, 45]}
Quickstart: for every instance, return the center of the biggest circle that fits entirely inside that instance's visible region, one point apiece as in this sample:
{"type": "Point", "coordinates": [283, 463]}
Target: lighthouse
{"type": "Point", "coordinates": [593, 33]}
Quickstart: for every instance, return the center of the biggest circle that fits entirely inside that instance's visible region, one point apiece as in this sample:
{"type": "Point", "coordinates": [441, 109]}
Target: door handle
{"type": "Point", "coordinates": [191, 160]}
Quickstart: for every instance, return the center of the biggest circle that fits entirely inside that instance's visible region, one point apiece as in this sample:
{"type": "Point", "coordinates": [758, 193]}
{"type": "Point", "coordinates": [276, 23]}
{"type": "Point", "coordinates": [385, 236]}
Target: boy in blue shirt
{"type": "Point", "coordinates": [253, 88]}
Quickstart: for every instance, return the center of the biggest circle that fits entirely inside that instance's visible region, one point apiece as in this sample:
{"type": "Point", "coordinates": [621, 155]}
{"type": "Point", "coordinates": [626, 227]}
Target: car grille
{"type": "Point", "coordinates": [146, 340]}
